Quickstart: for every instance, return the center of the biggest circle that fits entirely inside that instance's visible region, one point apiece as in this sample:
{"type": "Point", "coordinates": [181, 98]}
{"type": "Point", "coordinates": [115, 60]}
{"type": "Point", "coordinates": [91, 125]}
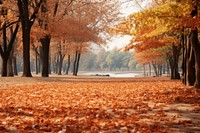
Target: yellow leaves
{"type": "Point", "coordinates": [164, 18]}
{"type": "Point", "coordinates": [132, 32]}
{"type": "Point", "coordinates": [156, 23]}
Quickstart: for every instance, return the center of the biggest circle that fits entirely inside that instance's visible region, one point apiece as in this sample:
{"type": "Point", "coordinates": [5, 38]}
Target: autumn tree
{"type": "Point", "coordinates": [191, 49]}
{"type": "Point", "coordinates": [7, 20]}
{"type": "Point", "coordinates": [156, 23]}
{"type": "Point", "coordinates": [82, 26]}
{"type": "Point", "coordinates": [28, 11]}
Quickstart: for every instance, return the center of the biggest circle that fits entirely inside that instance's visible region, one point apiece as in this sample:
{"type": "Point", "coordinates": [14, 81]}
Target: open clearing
{"type": "Point", "coordinates": [98, 104]}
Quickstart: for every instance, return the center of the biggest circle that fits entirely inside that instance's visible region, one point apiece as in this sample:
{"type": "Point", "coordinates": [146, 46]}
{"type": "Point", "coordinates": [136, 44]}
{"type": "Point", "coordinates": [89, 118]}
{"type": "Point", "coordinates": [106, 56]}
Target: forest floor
{"type": "Point", "coordinates": [98, 104]}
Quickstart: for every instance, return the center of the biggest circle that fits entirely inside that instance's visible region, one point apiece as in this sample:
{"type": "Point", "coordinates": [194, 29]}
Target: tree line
{"type": "Point", "coordinates": [53, 29]}
{"type": "Point", "coordinates": [166, 30]}
{"type": "Point", "coordinates": [113, 60]}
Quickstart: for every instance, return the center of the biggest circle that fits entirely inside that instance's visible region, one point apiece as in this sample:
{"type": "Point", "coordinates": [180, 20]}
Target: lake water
{"type": "Point", "coordinates": [113, 74]}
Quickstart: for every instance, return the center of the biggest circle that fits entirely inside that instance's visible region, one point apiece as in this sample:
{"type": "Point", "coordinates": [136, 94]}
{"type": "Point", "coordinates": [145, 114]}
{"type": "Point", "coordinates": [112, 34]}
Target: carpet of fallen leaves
{"type": "Point", "coordinates": [101, 105]}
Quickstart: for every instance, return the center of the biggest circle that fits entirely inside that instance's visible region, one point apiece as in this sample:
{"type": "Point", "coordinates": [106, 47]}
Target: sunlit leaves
{"type": "Point", "coordinates": [152, 55]}
{"type": "Point", "coordinates": [155, 28]}
{"type": "Point", "coordinates": [164, 18]}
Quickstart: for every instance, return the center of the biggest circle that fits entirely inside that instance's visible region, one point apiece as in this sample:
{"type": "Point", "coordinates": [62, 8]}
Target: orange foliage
{"type": "Point", "coordinates": [148, 44]}
{"type": "Point", "coordinates": [149, 57]}
{"type": "Point", "coordinates": [149, 105]}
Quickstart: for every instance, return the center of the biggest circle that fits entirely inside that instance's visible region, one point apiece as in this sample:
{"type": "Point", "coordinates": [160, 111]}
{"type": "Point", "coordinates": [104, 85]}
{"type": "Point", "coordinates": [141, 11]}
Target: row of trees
{"type": "Point", "coordinates": [102, 60]}
{"type": "Point", "coordinates": [90, 61]}
{"type": "Point", "coordinates": [108, 60]}
{"type": "Point", "coordinates": [163, 32]}
{"type": "Point", "coordinates": [53, 29]}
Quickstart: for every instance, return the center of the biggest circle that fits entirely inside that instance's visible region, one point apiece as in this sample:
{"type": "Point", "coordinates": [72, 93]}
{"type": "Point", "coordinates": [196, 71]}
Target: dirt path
{"type": "Point", "coordinates": [80, 78]}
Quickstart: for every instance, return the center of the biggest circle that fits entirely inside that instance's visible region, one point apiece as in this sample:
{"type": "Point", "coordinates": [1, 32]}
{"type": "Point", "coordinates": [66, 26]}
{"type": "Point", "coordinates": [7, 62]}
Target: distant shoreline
{"type": "Point", "coordinates": [112, 73]}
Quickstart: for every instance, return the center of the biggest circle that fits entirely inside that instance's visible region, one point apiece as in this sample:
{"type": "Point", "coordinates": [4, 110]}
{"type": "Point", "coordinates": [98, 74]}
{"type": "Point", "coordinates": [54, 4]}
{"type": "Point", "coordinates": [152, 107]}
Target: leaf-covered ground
{"type": "Point", "coordinates": [97, 105]}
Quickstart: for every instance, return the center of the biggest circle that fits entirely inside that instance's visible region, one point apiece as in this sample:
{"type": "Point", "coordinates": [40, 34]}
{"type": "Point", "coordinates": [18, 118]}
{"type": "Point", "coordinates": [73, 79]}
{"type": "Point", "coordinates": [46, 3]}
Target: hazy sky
{"type": "Point", "coordinates": [121, 41]}
{"type": "Point", "coordinates": [126, 9]}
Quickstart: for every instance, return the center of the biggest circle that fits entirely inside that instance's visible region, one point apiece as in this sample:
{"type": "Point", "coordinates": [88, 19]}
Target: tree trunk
{"type": "Point", "coordinates": [160, 69]}
{"type": "Point", "coordinates": [183, 40]}
{"type": "Point", "coordinates": [40, 59]}
{"type": "Point", "coordinates": [5, 49]}
{"type": "Point", "coordinates": [77, 64]}
{"type": "Point", "coordinates": [10, 61]}
{"type": "Point", "coordinates": [49, 63]}
{"type": "Point", "coordinates": [26, 53]}
{"type": "Point", "coordinates": [60, 63]}
{"type": "Point", "coordinates": [27, 22]}
{"type": "Point", "coordinates": [75, 60]}
{"type": "Point", "coordinates": [15, 65]}
{"type": "Point", "coordinates": [45, 58]}
{"type": "Point", "coordinates": [149, 69]}
{"type": "Point", "coordinates": [173, 61]}
{"type": "Point", "coordinates": [68, 65]}
{"type": "Point", "coordinates": [10, 65]}
{"type": "Point", "coordinates": [37, 54]}
{"type": "Point", "coordinates": [26, 27]}
{"type": "Point", "coordinates": [36, 63]}
{"type": "Point", "coordinates": [4, 67]}
{"type": "Point", "coordinates": [155, 68]}
{"type": "Point", "coordinates": [196, 48]}
{"type": "Point", "coordinates": [57, 64]}
{"type": "Point", "coordinates": [190, 64]}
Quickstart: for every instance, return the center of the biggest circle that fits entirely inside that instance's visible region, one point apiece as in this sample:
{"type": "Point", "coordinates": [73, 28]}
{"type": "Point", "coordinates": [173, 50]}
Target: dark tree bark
{"type": "Point", "coordinates": [27, 22]}
{"type": "Point", "coordinates": [10, 65]}
{"type": "Point", "coordinates": [40, 59]}
{"type": "Point", "coordinates": [46, 40]}
{"type": "Point", "coordinates": [6, 49]}
{"type": "Point", "coordinates": [173, 61]}
{"type": "Point", "coordinates": [60, 66]}
{"type": "Point", "coordinates": [10, 59]}
{"type": "Point", "coordinates": [4, 68]}
{"type": "Point", "coordinates": [77, 63]}
{"type": "Point", "coordinates": [183, 39]}
{"type": "Point", "coordinates": [26, 53]}
{"type": "Point", "coordinates": [60, 59]}
{"type": "Point", "coordinates": [68, 64]}
{"type": "Point", "coordinates": [45, 57]}
{"type": "Point", "coordinates": [190, 64]}
{"type": "Point", "coordinates": [196, 48]}
{"type": "Point", "coordinates": [155, 67]}
{"type": "Point", "coordinates": [60, 63]}
{"type": "Point", "coordinates": [75, 60]}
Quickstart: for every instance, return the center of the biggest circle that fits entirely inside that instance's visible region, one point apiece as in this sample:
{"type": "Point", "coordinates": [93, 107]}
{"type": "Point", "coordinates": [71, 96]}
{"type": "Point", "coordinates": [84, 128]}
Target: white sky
{"type": "Point", "coordinates": [121, 41]}
{"type": "Point", "coordinates": [127, 9]}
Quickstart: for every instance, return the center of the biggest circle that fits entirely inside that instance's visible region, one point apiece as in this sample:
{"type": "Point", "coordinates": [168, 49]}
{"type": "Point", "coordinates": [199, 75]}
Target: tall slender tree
{"type": "Point", "coordinates": [27, 19]}
{"type": "Point", "coordinates": [5, 49]}
{"type": "Point", "coordinates": [7, 20]}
